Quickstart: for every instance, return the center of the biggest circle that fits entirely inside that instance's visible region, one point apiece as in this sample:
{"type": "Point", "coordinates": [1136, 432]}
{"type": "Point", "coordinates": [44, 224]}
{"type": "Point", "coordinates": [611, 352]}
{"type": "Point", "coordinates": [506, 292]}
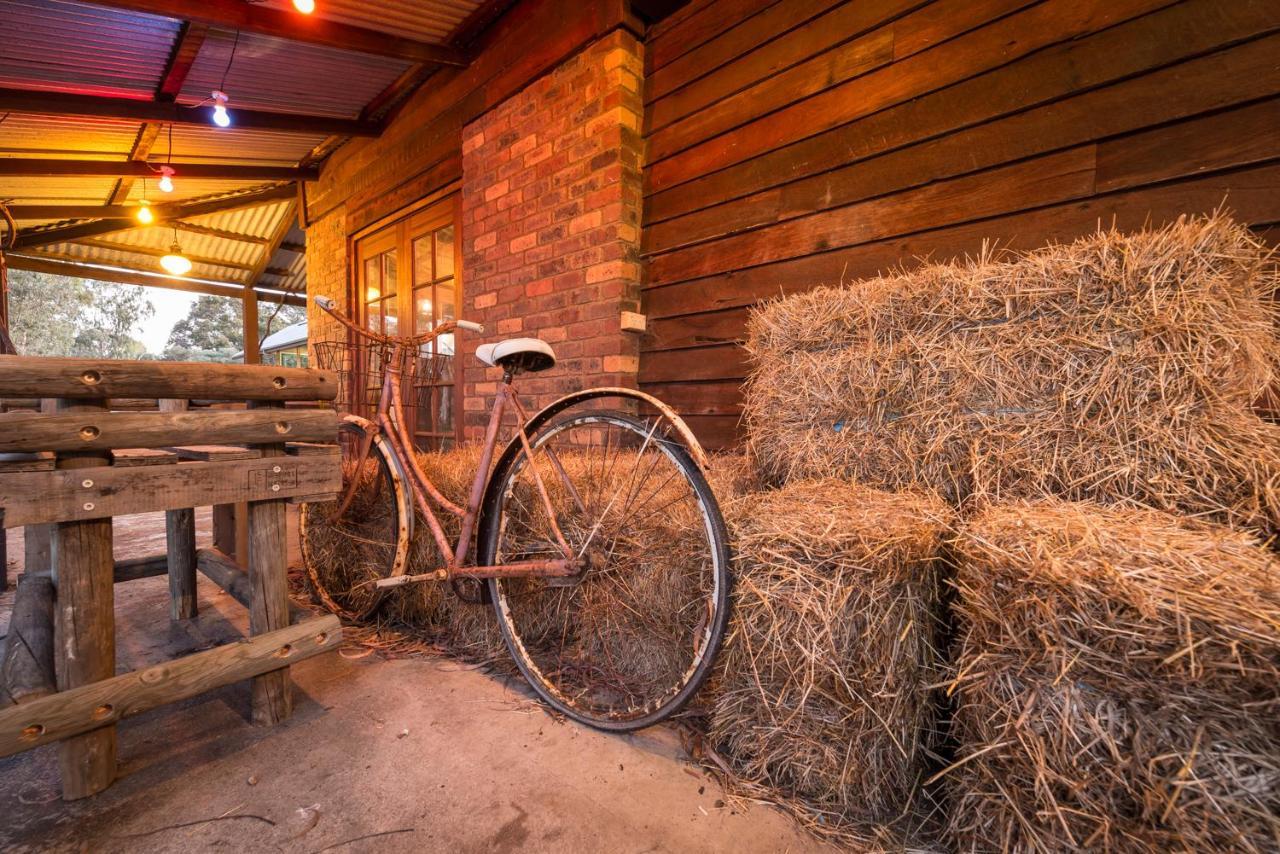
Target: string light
{"type": "Point", "coordinates": [166, 179]}
{"type": "Point", "coordinates": [221, 117]}
{"type": "Point", "coordinates": [175, 263]}
{"type": "Point", "coordinates": [144, 213]}
{"type": "Point", "coordinates": [306, 7]}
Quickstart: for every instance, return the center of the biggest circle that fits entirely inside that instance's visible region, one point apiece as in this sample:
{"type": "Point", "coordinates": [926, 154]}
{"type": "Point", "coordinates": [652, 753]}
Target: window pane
{"type": "Point", "coordinates": [422, 260]}
{"type": "Point", "coordinates": [388, 273]}
{"type": "Point", "coordinates": [422, 317]}
{"type": "Point", "coordinates": [372, 281]}
{"type": "Point", "coordinates": [389, 324]}
{"type": "Point", "coordinates": [445, 301]}
{"type": "Point", "coordinates": [444, 252]}
{"type": "Point", "coordinates": [444, 424]}
{"type": "Point", "coordinates": [373, 316]}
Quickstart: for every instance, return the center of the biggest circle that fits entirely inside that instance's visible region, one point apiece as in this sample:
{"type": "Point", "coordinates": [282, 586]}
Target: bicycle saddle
{"type": "Point", "coordinates": [518, 354]}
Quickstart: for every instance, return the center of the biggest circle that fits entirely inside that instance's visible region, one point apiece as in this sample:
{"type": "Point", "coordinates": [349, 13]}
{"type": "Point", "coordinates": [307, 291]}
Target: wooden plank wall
{"type": "Point", "coordinates": [795, 142]}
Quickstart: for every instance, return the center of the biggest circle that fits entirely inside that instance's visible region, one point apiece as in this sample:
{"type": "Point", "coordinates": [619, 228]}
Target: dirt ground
{"type": "Point", "coordinates": [412, 754]}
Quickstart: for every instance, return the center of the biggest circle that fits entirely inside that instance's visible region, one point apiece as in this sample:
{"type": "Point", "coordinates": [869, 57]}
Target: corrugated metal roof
{"type": "Point", "coordinates": [195, 144]}
{"type": "Point", "coordinates": [422, 20]}
{"type": "Point", "coordinates": [37, 191]}
{"type": "Point", "coordinates": [33, 135]}
{"type": "Point", "coordinates": [135, 261]}
{"type": "Point", "coordinates": [54, 45]}
{"type": "Point", "coordinates": [290, 336]}
{"type": "Point", "coordinates": [185, 189]}
{"type": "Point", "coordinates": [287, 77]}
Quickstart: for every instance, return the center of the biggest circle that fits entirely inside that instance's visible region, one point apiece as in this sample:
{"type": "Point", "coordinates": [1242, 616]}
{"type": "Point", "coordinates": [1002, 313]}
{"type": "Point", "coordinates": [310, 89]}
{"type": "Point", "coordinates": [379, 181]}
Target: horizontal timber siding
{"type": "Point", "coordinates": [800, 142]}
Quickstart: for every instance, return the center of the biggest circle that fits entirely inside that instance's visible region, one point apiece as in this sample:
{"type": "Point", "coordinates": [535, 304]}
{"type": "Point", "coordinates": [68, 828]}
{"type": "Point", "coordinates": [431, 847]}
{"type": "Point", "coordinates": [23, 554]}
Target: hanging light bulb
{"type": "Point", "coordinates": [175, 263]}
{"type": "Point", "coordinates": [144, 213]}
{"type": "Point", "coordinates": [166, 179]}
{"type": "Point", "coordinates": [306, 7]}
{"type": "Point", "coordinates": [221, 117]}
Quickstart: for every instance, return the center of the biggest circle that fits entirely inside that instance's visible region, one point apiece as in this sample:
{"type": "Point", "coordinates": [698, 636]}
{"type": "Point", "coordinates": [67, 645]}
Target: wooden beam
{"type": "Point", "coordinates": [128, 277]}
{"type": "Point", "coordinates": [164, 214]}
{"type": "Point", "coordinates": [70, 104]}
{"type": "Point", "coordinates": [223, 570]}
{"type": "Point", "coordinates": [138, 154]}
{"type": "Point", "coordinates": [33, 498]}
{"type": "Point", "coordinates": [192, 228]}
{"type": "Point", "coordinates": [139, 168]}
{"type": "Point", "coordinates": [133, 568]}
{"type": "Point", "coordinates": [95, 379]}
{"type": "Point", "coordinates": [105, 702]}
{"type": "Point", "coordinates": [152, 252]}
{"type": "Point", "coordinates": [238, 15]}
{"type": "Point", "coordinates": [21, 431]}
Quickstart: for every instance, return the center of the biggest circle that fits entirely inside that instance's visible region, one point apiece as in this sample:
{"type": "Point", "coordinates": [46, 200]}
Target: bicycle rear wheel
{"type": "Point", "coordinates": [346, 549]}
{"type": "Point", "coordinates": [630, 639]}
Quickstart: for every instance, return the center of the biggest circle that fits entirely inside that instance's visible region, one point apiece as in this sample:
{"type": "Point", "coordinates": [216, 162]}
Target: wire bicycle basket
{"type": "Point", "coordinates": [361, 366]}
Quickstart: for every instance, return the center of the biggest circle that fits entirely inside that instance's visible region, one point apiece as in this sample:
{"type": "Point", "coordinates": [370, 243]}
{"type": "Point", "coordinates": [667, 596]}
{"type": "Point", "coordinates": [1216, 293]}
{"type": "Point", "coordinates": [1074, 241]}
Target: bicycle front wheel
{"type": "Point", "coordinates": [347, 548]}
{"type": "Point", "coordinates": [627, 641]}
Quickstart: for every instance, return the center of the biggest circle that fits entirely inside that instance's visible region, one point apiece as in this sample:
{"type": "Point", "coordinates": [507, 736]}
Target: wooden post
{"type": "Point", "coordinates": [180, 536]}
{"type": "Point", "coordinates": [37, 541]}
{"type": "Point", "coordinates": [85, 628]}
{"type": "Point", "coordinates": [26, 667]}
{"type": "Point", "coordinates": [272, 696]}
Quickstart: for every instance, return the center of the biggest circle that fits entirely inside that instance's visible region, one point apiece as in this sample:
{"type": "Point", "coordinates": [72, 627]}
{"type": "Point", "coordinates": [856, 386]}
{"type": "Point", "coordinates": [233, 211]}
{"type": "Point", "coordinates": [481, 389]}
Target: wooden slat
{"type": "Point", "coordinates": [104, 431]}
{"type": "Point", "coordinates": [1208, 83]}
{"type": "Point", "coordinates": [41, 376]}
{"type": "Point", "coordinates": [1043, 181]}
{"type": "Point", "coordinates": [1253, 195]}
{"type": "Point", "coordinates": [42, 461]}
{"type": "Point", "coordinates": [106, 702]}
{"type": "Point", "coordinates": [30, 498]}
{"type": "Point", "coordinates": [1042, 79]}
{"type": "Point", "coordinates": [142, 457]}
{"type": "Point", "coordinates": [700, 27]}
{"type": "Point", "coordinates": [723, 137]}
{"type": "Point", "coordinates": [209, 453]}
{"type": "Point", "coordinates": [708, 60]}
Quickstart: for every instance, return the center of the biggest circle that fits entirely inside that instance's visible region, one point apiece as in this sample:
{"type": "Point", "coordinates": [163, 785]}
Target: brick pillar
{"type": "Point", "coordinates": [551, 200]}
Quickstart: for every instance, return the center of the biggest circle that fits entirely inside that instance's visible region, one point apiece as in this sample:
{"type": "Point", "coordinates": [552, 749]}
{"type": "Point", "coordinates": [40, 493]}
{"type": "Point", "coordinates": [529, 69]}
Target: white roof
{"type": "Point", "coordinates": [288, 337]}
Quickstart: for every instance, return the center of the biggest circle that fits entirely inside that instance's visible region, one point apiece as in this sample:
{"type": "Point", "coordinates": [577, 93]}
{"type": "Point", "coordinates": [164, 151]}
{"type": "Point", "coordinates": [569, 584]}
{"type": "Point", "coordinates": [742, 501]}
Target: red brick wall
{"type": "Point", "coordinates": [551, 200]}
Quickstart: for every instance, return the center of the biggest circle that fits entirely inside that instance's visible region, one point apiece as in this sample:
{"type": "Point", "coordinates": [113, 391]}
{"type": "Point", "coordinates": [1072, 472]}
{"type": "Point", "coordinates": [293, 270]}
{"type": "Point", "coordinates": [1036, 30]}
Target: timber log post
{"type": "Point", "coordinates": [84, 577]}
{"type": "Point", "coordinates": [272, 695]}
{"type": "Point", "coordinates": [180, 536]}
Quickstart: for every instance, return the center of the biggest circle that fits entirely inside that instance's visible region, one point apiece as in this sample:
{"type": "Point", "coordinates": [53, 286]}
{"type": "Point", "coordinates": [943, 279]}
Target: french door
{"type": "Point", "coordinates": [408, 281]}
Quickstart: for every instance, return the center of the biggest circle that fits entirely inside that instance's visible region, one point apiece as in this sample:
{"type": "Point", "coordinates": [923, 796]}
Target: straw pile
{"type": "Point", "coordinates": [1119, 368]}
{"type": "Point", "coordinates": [823, 700]}
{"type": "Point", "coordinates": [1118, 683]}
{"type": "Point", "coordinates": [638, 620]}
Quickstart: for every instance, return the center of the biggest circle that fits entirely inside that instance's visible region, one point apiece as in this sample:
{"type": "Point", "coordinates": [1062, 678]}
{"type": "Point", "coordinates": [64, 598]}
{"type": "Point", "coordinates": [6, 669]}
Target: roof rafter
{"type": "Point", "coordinates": [238, 15]}
{"type": "Point", "coordinates": [111, 219]}
{"type": "Point", "coordinates": [67, 104]}
{"type": "Point", "coordinates": [52, 167]}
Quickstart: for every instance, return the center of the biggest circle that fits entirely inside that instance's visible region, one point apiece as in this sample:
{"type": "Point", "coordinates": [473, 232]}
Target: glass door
{"type": "Point", "coordinates": [408, 282]}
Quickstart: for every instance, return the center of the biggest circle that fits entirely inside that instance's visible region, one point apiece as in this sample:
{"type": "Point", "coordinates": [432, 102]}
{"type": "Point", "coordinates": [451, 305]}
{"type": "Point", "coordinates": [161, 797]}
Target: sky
{"type": "Point", "coordinates": [171, 306]}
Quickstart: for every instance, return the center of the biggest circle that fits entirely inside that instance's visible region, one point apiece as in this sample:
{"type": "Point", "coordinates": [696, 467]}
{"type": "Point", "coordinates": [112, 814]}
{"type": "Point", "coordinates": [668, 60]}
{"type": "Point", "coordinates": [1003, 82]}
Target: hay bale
{"type": "Point", "coordinates": [823, 699]}
{"type": "Point", "coordinates": [1118, 683]}
{"type": "Point", "coordinates": [1118, 368]}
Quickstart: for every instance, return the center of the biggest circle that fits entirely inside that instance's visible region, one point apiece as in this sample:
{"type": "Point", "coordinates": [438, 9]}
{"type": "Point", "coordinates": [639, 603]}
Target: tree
{"type": "Point", "coordinates": [213, 330]}
{"type": "Point", "coordinates": [60, 316]}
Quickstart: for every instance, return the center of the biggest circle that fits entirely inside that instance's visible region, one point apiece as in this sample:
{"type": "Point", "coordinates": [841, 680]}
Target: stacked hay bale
{"type": "Point", "coordinates": [1116, 368]}
{"type": "Point", "coordinates": [1118, 684]}
{"type": "Point", "coordinates": [1107, 696]}
{"type": "Point", "coordinates": [822, 700]}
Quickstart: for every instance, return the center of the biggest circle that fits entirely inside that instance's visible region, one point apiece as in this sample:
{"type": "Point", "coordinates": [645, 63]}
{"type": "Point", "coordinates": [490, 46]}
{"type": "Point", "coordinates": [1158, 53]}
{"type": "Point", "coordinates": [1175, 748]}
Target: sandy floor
{"type": "Point", "coordinates": [417, 754]}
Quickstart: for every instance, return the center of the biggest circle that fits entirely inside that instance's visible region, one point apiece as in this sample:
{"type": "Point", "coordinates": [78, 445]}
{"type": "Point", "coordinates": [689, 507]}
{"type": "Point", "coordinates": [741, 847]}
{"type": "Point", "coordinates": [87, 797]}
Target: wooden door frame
{"type": "Point", "coordinates": [399, 232]}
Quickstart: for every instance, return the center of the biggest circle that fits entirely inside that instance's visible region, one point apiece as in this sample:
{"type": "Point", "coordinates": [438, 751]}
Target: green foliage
{"type": "Point", "coordinates": [59, 316]}
{"type": "Point", "coordinates": [213, 330]}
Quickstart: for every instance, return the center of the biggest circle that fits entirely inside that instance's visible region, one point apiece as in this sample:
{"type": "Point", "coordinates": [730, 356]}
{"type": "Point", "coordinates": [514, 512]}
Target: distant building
{"type": "Point", "coordinates": [286, 347]}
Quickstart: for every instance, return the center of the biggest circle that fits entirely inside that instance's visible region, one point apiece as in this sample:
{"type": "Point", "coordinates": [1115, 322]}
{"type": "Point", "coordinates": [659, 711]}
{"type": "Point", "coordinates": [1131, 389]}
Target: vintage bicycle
{"type": "Point", "coordinates": [597, 538]}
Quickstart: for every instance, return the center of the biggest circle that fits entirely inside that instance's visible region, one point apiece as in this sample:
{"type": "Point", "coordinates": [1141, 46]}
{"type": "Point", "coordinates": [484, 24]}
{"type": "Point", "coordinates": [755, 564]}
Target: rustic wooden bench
{"type": "Point", "coordinates": [67, 468]}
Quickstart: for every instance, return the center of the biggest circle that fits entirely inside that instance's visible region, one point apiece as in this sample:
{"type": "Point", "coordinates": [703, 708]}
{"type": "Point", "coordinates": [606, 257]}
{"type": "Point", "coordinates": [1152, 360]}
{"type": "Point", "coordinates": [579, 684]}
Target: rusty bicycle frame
{"type": "Point", "coordinates": [389, 421]}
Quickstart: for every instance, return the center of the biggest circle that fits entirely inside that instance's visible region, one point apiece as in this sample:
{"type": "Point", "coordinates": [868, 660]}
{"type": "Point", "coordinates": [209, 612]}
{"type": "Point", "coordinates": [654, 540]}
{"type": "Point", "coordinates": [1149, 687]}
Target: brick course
{"type": "Point", "coordinates": [551, 200]}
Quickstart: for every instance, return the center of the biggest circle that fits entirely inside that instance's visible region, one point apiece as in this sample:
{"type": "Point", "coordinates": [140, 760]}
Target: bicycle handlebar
{"type": "Point", "coordinates": [331, 308]}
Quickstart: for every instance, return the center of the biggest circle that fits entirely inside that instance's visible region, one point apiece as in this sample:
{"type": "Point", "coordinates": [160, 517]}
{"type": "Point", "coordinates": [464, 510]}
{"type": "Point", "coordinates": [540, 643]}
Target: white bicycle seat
{"type": "Point", "coordinates": [518, 354]}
